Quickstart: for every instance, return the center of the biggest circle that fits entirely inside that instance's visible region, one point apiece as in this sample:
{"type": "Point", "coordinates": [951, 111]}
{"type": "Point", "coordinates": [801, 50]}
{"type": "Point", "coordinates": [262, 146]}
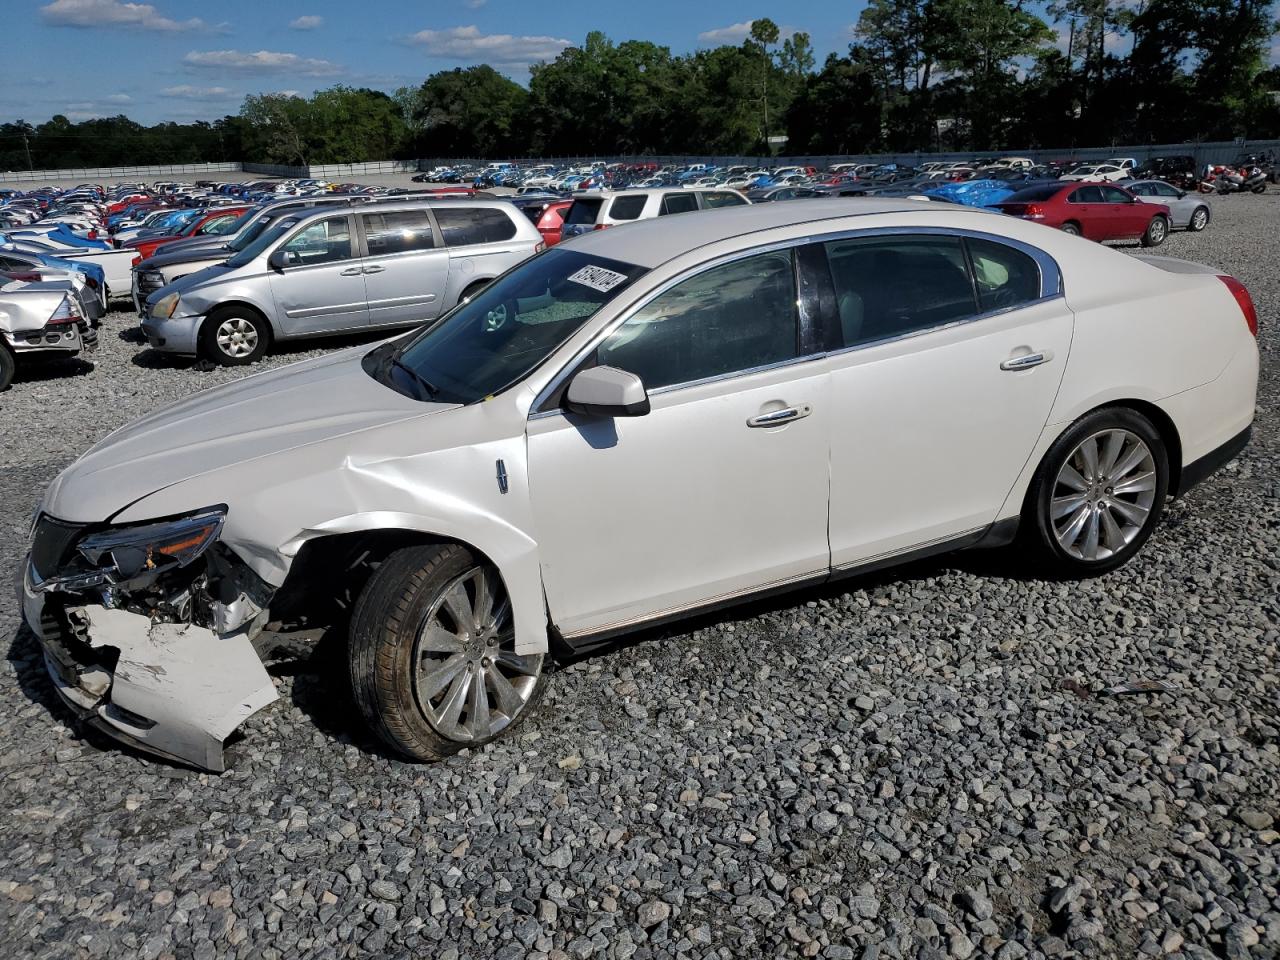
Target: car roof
{"type": "Point", "coordinates": [651, 242]}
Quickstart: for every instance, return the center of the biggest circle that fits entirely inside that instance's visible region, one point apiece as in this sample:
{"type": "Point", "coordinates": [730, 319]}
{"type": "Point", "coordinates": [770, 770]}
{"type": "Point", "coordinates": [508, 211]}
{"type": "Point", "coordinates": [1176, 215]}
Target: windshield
{"type": "Point", "coordinates": [504, 332]}
{"type": "Point", "coordinates": [264, 239]}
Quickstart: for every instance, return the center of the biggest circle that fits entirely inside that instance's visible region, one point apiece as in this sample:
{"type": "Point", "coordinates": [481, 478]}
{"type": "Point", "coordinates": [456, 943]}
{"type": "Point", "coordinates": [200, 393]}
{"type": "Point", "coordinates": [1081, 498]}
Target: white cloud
{"type": "Point", "coordinates": [261, 61]}
{"type": "Point", "coordinates": [307, 23]}
{"type": "Point", "coordinates": [502, 49]}
{"type": "Point", "coordinates": [118, 98]}
{"type": "Point", "coordinates": [113, 13]}
{"type": "Point", "coordinates": [734, 33]}
{"type": "Point", "coordinates": [185, 91]}
{"type": "Point", "coordinates": [475, 4]}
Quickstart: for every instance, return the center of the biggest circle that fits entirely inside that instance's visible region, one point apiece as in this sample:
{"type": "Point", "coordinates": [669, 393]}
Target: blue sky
{"type": "Point", "coordinates": [189, 60]}
{"type": "Point", "coordinates": [185, 60]}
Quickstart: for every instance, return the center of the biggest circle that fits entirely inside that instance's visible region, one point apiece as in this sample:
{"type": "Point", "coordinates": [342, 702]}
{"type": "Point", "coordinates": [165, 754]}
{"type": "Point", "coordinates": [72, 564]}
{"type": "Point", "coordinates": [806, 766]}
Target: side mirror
{"type": "Point", "coordinates": [278, 260]}
{"type": "Point", "coordinates": [607, 392]}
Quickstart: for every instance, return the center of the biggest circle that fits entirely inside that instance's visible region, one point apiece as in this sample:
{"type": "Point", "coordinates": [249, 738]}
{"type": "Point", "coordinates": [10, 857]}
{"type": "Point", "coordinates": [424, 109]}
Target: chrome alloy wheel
{"type": "Point", "coordinates": [1103, 495]}
{"type": "Point", "coordinates": [1158, 230]}
{"type": "Point", "coordinates": [468, 680]}
{"type": "Point", "coordinates": [236, 337]}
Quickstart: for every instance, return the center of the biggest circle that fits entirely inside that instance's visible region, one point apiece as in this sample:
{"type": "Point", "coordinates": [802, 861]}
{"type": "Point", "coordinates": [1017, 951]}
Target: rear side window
{"type": "Point", "coordinates": [890, 286]}
{"type": "Point", "coordinates": [684, 202]}
{"type": "Point", "coordinates": [627, 208]}
{"type": "Point", "coordinates": [464, 226]}
{"type": "Point", "coordinates": [398, 232]}
{"type": "Point", "coordinates": [1143, 189]}
{"type": "Point", "coordinates": [1005, 277]}
{"type": "Point", "coordinates": [584, 212]}
{"type": "Point", "coordinates": [728, 319]}
{"type": "Point", "coordinates": [1114, 195]}
{"type": "Point", "coordinates": [722, 198]}
{"type": "Point", "coordinates": [1087, 195]}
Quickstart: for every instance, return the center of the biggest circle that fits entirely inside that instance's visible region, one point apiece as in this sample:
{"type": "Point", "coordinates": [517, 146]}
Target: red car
{"type": "Point", "coordinates": [1098, 211]}
{"type": "Point", "coordinates": [211, 224]}
{"type": "Point", "coordinates": [551, 221]}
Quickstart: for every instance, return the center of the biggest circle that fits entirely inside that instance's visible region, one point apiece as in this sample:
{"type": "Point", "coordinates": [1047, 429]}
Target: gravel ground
{"type": "Point", "coordinates": [909, 765]}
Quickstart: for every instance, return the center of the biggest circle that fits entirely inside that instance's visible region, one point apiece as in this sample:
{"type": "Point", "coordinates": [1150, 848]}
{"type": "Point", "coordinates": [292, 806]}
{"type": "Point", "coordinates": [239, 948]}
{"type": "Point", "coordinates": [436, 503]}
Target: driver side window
{"type": "Point", "coordinates": [327, 241]}
{"type": "Point", "coordinates": [729, 319]}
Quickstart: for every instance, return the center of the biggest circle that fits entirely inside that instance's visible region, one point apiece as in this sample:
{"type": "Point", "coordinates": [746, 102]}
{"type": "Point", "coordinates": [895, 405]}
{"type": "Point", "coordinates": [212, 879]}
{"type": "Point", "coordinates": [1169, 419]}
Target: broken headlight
{"type": "Point", "coordinates": [134, 550]}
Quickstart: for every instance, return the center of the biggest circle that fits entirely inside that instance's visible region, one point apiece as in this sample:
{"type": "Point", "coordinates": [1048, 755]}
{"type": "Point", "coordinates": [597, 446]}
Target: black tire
{"type": "Point", "coordinates": [1041, 535]}
{"type": "Point", "coordinates": [397, 603]}
{"type": "Point", "coordinates": [7, 367]}
{"type": "Point", "coordinates": [1157, 231]}
{"type": "Point", "coordinates": [1259, 187]}
{"type": "Point", "coordinates": [1199, 219]}
{"type": "Point", "coordinates": [473, 289]}
{"type": "Point", "coordinates": [1071, 228]}
{"type": "Point", "coordinates": [244, 319]}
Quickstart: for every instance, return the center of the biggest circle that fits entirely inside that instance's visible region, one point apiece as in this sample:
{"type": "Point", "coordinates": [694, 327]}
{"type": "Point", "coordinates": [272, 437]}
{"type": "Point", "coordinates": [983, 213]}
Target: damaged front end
{"type": "Point", "coordinates": [148, 631]}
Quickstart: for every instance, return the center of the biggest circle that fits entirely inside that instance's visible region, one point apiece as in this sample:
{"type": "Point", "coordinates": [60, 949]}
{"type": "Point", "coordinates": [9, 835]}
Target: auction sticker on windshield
{"type": "Point", "coordinates": [598, 278]}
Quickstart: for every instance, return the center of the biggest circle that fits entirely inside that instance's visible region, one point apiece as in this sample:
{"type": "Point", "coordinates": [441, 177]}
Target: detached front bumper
{"type": "Point", "coordinates": [174, 690]}
{"type": "Point", "coordinates": [174, 335]}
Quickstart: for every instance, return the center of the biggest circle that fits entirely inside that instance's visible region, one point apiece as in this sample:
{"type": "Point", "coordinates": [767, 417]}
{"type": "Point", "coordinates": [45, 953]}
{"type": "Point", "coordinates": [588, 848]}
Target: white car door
{"type": "Point", "coordinates": [721, 489]}
{"type": "Point", "coordinates": [944, 385]}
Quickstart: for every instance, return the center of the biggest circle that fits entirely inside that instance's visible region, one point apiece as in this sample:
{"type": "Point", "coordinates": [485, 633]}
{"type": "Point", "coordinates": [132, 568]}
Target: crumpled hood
{"type": "Point", "coordinates": [252, 419]}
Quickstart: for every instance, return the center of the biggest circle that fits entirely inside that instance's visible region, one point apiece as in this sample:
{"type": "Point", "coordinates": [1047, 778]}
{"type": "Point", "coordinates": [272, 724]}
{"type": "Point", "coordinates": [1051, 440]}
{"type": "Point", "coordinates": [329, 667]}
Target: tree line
{"type": "Point", "coordinates": [920, 75]}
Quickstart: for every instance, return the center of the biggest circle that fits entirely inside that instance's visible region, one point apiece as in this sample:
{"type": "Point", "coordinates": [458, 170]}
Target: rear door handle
{"type": "Point", "coordinates": [374, 269]}
{"type": "Point", "coordinates": [351, 272]}
{"type": "Point", "coordinates": [1026, 361]}
{"type": "Point", "coordinates": [775, 418]}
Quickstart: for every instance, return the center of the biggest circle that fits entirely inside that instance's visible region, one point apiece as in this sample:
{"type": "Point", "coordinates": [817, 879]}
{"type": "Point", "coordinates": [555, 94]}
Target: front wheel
{"type": "Point", "coordinates": [1157, 231]}
{"type": "Point", "coordinates": [234, 336]}
{"type": "Point", "coordinates": [7, 367]}
{"type": "Point", "coordinates": [433, 661]}
{"type": "Point", "coordinates": [1098, 493]}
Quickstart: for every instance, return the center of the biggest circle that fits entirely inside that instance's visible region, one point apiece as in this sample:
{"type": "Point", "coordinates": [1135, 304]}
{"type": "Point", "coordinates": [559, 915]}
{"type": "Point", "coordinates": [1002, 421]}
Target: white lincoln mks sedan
{"type": "Point", "coordinates": [637, 424]}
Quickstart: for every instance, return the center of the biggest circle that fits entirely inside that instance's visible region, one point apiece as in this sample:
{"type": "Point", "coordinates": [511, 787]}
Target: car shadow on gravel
{"type": "Point", "coordinates": [40, 371]}
{"type": "Point", "coordinates": [321, 687]}
{"type": "Point", "coordinates": [1005, 563]}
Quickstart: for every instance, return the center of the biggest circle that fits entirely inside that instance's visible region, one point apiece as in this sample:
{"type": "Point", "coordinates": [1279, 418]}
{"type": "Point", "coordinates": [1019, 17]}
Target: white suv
{"type": "Point", "coordinates": [610, 208]}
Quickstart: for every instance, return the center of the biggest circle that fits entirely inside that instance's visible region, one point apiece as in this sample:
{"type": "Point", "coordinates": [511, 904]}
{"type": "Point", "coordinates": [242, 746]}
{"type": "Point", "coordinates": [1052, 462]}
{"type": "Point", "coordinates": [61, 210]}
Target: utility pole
{"type": "Point", "coordinates": [27, 146]}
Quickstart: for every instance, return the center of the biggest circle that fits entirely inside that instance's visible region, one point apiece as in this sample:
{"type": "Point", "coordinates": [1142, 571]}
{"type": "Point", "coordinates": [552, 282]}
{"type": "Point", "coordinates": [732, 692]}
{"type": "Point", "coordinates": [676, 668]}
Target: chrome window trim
{"type": "Point", "coordinates": [1050, 279]}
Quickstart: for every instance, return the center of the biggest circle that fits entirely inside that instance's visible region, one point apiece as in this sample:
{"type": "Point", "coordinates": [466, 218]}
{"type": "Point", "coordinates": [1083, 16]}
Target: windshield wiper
{"type": "Point", "coordinates": [426, 384]}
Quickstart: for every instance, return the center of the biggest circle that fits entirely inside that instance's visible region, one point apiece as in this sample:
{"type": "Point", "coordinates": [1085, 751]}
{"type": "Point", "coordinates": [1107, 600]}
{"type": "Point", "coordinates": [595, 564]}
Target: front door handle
{"type": "Point", "coordinates": [351, 272]}
{"type": "Point", "coordinates": [1026, 361]}
{"type": "Point", "coordinates": [775, 418]}
{"type": "Point", "coordinates": [374, 269]}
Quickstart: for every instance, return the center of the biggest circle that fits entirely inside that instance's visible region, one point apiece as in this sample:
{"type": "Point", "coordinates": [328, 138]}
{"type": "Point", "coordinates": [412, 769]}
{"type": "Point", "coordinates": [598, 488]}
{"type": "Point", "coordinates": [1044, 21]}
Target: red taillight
{"type": "Point", "coordinates": [91, 282]}
{"type": "Point", "coordinates": [601, 226]}
{"type": "Point", "coordinates": [1241, 294]}
{"type": "Point", "coordinates": [67, 313]}
{"type": "Point", "coordinates": [1033, 210]}
{"type": "Point", "coordinates": [135, 261]}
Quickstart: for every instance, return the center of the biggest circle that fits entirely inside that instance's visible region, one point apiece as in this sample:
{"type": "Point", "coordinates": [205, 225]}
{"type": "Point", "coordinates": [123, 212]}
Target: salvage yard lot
{"type": "Point", "coordinates": [912, 759]}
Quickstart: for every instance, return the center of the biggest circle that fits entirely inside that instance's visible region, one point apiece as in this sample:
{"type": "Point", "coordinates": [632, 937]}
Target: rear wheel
{"type": "Point", "coordinates": [1098, 493]}
{"type": "Point", "coordinates": [433, 661]}
{"type": "Point", "coordinates": [1199, 219]}
{"type": "Point", "coordinates": [235, 336]}
{"type": "Point", "coordinates": [1157, 231]}
{"type": "Point", "coordinates": [1071, 228]}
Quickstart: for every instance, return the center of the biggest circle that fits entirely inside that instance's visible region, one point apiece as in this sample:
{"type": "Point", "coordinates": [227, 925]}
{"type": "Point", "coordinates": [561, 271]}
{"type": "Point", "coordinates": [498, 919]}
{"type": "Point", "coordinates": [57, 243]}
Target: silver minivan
{"type": "Point", "coordinates": [328, 271]}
